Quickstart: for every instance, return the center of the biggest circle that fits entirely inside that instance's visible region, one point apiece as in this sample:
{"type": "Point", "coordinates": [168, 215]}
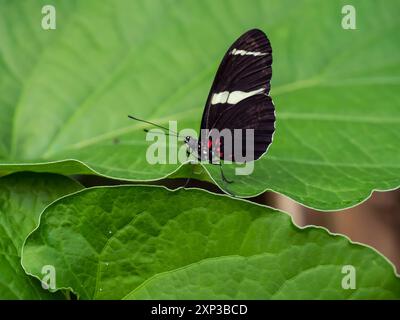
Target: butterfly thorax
{"type": "Point", "coordinates": [192, 144]}
{"type": "Point", "coordinates": [203, 152]}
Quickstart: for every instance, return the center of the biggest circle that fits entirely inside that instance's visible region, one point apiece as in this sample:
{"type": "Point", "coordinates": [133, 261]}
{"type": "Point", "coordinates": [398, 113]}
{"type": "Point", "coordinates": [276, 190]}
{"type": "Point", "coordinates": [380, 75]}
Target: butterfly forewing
{"type": "Point", "coordinates": [238, 98]}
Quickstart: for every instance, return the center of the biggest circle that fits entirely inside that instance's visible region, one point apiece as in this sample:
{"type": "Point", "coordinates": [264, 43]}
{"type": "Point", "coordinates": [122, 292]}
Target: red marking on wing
{"type": "Point", "coordinates": [217, 146]}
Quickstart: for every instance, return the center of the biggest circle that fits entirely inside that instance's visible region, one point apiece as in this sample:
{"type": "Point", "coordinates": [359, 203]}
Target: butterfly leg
{"type": "Point", "coordinates": [187, 180]}
{"type": "Point", "coordinates": [226, 189]}
{"type": "Point", "coordinates": [224, 179]}
{"type": "Point", "coordinates": [188, 153]}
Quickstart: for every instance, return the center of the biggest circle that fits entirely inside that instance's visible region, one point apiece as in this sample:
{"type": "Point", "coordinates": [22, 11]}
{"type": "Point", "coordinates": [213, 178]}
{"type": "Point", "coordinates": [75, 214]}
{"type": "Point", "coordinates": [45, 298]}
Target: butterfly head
{"type": "Point", "coordinates": [191, 142]}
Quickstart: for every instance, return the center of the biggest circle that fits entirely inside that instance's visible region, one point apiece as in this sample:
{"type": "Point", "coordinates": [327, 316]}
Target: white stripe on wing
{"type": "Point", "coordinates": [236, 52]}
{"type": "Point", "coordinates": [233, 97]}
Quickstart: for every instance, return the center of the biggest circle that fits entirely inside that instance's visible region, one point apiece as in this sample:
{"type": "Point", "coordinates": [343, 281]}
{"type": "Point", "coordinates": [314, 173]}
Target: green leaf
{"type": "Point", "coordinates": [23, 197]}
{"type": "Point", "coordinates": [148, 242]}
{"type": "Point", "coordinates": [65, 93]}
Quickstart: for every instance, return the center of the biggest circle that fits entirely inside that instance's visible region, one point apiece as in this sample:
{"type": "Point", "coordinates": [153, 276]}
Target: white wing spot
{"type": "Point", "coordinates": [221, 97]}
{"type": "Point", "coordinates": [233, 97]}
{"type": "Point", "coordinates": [236, 52]}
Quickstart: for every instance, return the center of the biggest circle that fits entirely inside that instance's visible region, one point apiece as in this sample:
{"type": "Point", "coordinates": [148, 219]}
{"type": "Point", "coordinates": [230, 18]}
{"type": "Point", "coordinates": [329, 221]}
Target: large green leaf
{"type": "Point", "coordinates": [148, 242]}
{"type": "Point", "coordinates": [22, 198]}
{"type": "Point", "coordinates": [65, 93]}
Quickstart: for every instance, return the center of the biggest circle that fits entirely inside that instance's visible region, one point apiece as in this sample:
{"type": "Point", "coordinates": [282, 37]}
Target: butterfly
{"type": "Point", "coordinates": [238, 100]}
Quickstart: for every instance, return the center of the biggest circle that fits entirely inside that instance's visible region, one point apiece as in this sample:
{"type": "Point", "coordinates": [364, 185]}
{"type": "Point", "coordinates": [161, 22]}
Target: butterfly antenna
{"type": "Point", "coordinates": [166, 133]}
{"type": "Point", "coordinates": [154, 124]}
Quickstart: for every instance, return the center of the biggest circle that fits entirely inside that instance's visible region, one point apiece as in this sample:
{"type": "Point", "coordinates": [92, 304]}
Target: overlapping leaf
{"type": "Point", "coordinates": [22, 199]}
{"type": "Point", "coordinates": [138, 242]}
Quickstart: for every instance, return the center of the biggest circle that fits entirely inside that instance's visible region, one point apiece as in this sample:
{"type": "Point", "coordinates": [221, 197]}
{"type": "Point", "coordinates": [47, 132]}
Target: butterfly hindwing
{"type": "Point", "coordinates": [256, 113]}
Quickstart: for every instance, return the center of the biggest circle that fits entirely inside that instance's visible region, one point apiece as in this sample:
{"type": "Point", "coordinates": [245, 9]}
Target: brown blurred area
{"type": "Point", "coordinates": [375, 222]}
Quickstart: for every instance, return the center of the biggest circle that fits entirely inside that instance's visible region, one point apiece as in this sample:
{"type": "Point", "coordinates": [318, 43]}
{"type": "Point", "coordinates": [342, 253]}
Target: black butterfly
{"type": "Point", "coordinates": [238, 99]}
